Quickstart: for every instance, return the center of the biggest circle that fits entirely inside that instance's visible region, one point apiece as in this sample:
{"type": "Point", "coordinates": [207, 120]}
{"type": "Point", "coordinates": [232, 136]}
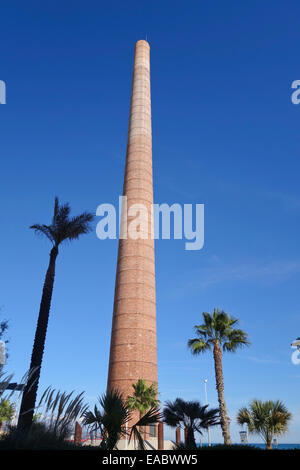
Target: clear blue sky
{"type": "Point", "coordinates": [225, 134]}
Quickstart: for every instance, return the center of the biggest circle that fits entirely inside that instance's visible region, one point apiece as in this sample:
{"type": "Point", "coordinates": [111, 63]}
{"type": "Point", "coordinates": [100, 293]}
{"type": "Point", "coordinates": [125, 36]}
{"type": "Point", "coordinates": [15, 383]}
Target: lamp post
{"type": "Point", "coordinates": [206, 402]}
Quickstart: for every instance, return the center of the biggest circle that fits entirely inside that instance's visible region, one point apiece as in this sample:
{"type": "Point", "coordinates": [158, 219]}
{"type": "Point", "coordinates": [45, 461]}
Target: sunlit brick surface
{"type": "Point", "coordinates": [133, 338]}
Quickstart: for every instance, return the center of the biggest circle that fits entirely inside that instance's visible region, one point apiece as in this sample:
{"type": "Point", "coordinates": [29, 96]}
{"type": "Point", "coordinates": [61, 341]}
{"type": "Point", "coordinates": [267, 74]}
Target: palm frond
{"type": "Point", "coordinates": [235, 339]}
{"type": "Point", "coordinates": [94, 420]}
{"type": "Point", "coordinates": [218, 328]}
{"type": "Point", "coordinates": [201, 330]}
{"type": "Point", "coordinates": [207, 417]}
{"type": "Point", "coordinates": [56, 209]}
{"type": "Point", "coordinates": [266, 418]}
{"type": "Point", "coordinates": [190, 414]}
{"type": "Point", "coordinates": [4, 383]}
{"type": "Point", "coordinates": [173, 412]}
{"type": "Point", "coordinates": [144, 396]}
{"type": "Point", "coordinates": [115, 417]}
{"type": "Point", "coordinates": [136, 435]}
{"type": "Point", "coordinates": [152, 416]}
{"type": "Point", "coordinates": [198, 345]}
{"type": "Point", "coordinates": [63, 227]}
{"type": "Point", "coordinates": [43, 230]}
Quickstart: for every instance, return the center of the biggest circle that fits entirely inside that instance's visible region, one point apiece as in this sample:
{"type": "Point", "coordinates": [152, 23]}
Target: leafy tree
{"type": "Point", "coordinates": [266, 418]}
{"type": "Point", "coordinates": [190, 416]}
{"type": "Point", "coordinates": [36, 417]}
{"type": "Point", "coordinates": [113, 419]}
{"type": "Point", "coordinates": [7, 411]}
{"type": "Point", "coordinates": [62, 229]}
{"type": "Point", "coordinates": [217, 333]}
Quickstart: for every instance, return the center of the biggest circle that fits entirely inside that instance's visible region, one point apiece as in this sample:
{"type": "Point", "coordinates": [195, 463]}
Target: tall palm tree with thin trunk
{"type": "Point", "coordinates": [266, 418]}
{"type": "Point", "coordinates": [217, 333]}
{"type": "Point", "coordinates": [62, 229]}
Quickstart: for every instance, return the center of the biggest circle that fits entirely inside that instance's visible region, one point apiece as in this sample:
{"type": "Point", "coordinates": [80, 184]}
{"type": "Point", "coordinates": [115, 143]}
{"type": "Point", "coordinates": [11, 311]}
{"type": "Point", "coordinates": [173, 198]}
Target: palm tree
{"type": "Point", "coordinates": [266, 418]}
{"type": "Point", "coordinates": [217, 333]}
{"type": "Point", "coordinates": [62, 229]}
{"type": "Point", "coordinates": [113, 419]}
{"type": "Point", "coordinates": [143, 398]}
{"type": "Point", "coordinates": [191, 416]}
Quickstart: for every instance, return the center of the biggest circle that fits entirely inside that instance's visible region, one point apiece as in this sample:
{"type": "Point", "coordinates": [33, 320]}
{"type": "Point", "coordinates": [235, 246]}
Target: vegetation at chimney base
{"type": "Point", "coordinates": [143, 398]}
{"type": "Point", "coordinates": [112, 421]}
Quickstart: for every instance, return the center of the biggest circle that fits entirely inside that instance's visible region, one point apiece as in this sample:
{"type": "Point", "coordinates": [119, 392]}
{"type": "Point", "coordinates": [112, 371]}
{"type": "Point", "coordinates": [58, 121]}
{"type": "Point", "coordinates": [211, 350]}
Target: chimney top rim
{"type": "Point", "coordinates": [141, 42]}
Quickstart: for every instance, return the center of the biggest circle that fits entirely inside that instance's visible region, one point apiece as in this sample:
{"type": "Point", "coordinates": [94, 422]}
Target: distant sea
{"type": "Point", "coordinates": [279, 446]}
{"type": "Point", "coordinates": [263, 446]}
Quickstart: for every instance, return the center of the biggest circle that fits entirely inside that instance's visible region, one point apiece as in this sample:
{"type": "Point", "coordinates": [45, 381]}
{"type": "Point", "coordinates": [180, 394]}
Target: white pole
{"type": "Point", "coordinates": [15, 418]}
{"type": "Point", "coordinates": [206, 402]}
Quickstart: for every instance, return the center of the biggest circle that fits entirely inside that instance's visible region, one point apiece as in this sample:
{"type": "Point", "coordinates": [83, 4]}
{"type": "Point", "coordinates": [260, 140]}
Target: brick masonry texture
{"type": "Point", "coordinates": [133, 352]}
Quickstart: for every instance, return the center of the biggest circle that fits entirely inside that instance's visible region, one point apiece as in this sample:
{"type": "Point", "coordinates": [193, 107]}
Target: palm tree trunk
{"type": "Point", "coordinates": [190, 438]}
{"type": "Point", "coordinates": [142, 431]}
{"type": "Point", "coordinates": [269, 441]}
{"type": "Point", "coordinates": [30, 390]}
{"type": "Point", "coordinates": [220, 390]}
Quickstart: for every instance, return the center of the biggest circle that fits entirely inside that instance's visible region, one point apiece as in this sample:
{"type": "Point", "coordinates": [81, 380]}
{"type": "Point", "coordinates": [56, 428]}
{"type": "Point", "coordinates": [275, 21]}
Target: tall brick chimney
{"type": "Point", "coordinates": [133, 335]}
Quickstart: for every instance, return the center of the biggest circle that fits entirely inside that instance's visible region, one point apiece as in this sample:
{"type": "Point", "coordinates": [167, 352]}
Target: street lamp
{"type": "Point", "coordinates": [2, 353]}
{"type": "Point", "coordinates": [206, 402]}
